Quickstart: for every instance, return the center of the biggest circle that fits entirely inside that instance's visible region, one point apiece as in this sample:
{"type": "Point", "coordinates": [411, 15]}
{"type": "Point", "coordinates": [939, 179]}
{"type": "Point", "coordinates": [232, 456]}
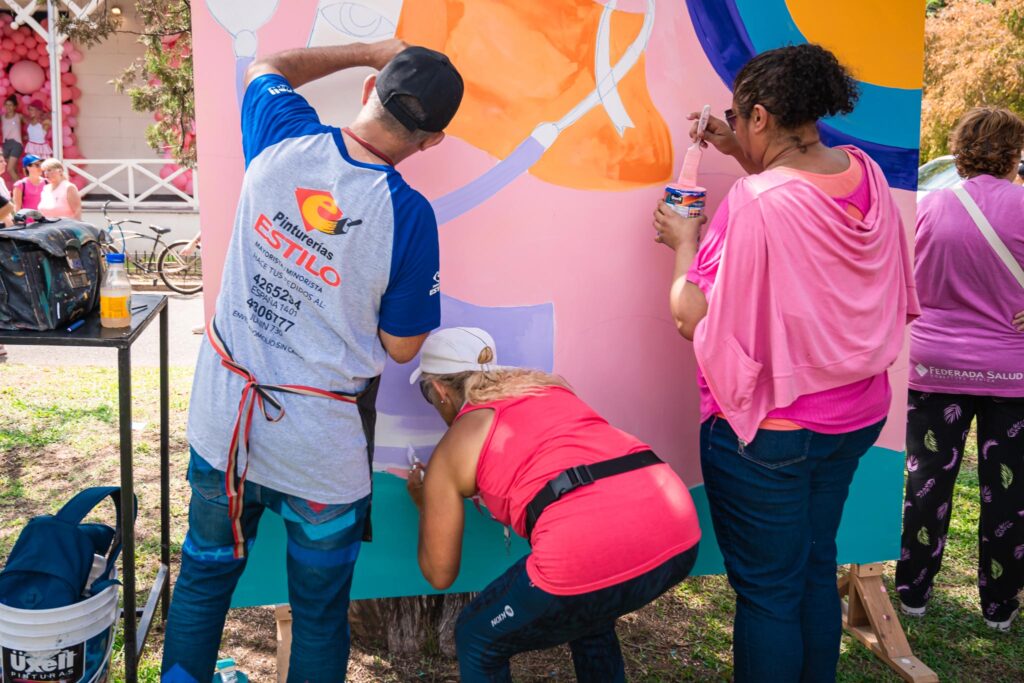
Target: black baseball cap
{"type": "Point", "coordinates": [428, 76]}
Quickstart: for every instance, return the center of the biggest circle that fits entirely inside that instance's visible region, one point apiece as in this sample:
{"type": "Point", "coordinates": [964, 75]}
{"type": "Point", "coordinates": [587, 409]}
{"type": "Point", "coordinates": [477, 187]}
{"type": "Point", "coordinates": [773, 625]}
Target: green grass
{"type": "Point", "coordinates": [58, 434]}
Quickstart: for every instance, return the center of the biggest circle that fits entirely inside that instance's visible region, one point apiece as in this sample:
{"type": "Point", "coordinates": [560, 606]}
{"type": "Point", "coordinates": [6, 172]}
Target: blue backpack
{"type": "Point", "coordinates": [51, 561]}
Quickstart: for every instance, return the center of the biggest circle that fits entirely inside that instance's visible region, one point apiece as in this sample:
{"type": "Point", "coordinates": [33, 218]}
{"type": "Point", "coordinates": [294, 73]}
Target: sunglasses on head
{"type": "Point", "coordinates": [425, 390]}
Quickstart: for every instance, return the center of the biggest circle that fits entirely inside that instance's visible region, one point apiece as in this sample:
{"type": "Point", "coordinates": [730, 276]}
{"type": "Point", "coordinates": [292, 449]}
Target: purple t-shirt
{"type": "Point", "coordinates": [964, 342]}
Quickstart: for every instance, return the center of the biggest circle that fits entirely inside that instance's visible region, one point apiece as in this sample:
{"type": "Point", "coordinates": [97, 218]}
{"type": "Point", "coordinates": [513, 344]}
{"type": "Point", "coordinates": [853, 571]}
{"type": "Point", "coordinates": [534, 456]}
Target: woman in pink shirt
{"type": "Point", "coordinates": [967, 362]}
{"type": "Point", "coordinates": [611, 526]}
{"type": "Point", "coordinates": [59, 198]}
{"type": "Point", "coordinates": [29, 189]}
{"type": "Point", "coordinates": [796, 302]}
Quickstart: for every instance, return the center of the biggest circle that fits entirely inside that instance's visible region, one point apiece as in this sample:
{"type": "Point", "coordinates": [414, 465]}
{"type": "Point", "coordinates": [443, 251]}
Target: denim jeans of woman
{"type": "Point", "coordinates": [323, 543]}
{"type": "Point", "coordinates": [776, 504]}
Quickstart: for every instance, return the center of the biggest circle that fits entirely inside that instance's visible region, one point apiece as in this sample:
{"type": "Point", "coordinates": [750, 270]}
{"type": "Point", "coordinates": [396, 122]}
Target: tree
{"type": "Point", "coordinates": [974, 55]}
{"type": "Point", "coordinates": [161, 80]}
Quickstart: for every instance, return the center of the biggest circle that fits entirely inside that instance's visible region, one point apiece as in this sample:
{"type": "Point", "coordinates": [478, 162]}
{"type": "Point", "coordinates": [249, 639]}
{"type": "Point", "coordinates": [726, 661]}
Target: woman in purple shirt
{"type": "Point", "coordinates": [967, 362]}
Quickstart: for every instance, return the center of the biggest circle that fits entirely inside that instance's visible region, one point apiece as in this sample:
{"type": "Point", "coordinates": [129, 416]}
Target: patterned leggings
{"type": "Point", "coordinates": [937, 429]}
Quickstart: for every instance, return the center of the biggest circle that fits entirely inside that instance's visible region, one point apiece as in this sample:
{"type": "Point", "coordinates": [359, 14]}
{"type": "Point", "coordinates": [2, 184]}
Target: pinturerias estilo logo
{"type": "Point", "coordinates": [320, 211]}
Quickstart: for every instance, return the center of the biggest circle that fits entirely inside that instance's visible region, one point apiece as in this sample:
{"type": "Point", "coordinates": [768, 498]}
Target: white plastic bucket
{"type": "Point", "coordinates": [68, 644]}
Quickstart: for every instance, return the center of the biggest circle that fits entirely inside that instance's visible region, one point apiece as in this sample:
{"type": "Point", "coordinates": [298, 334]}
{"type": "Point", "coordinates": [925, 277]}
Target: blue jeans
{"type": "Point", "coordinates": [512, 615]}
{"type": "Point", "coordinates": [776, 504]}
{"type": "Point", "coordinates": [323, 542]}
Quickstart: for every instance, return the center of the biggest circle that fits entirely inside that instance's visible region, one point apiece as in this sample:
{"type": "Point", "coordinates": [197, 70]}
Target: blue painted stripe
{"type": "Point", "coordinates": [720, 31]}
{"type": "Point", "coordinates": [769, 23]}
{"type": "Point", "coordinates": [324, 558]}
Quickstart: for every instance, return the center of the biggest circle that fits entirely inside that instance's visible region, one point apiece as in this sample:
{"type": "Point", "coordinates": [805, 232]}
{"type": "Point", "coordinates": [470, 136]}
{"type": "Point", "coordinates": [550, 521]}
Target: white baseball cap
{"type": "Point", "coordinates": [456, 349]}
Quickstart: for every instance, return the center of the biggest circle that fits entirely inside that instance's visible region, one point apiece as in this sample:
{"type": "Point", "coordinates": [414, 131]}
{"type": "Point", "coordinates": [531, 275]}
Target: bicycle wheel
{"type": "Point", "coordinates": [183, 273]}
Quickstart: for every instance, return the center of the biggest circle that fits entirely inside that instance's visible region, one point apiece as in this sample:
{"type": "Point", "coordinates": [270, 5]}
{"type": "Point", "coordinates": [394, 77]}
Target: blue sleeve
{"type": "Point", "coordinates": [411, 304]}
{"type": "Point", "coordinates": [272, 112]}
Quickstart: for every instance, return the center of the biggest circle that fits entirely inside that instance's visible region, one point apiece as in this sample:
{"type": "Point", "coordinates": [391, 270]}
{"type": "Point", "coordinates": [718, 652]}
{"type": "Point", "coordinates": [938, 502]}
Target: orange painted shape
{"type": "Point", "coordinates": [879, 40]}
{"type": "Point", "coordinates": [531, 61]}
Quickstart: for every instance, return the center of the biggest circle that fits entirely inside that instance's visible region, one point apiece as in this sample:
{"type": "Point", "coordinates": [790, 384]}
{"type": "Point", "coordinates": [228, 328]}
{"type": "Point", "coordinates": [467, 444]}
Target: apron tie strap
{"type": "Point", "coordinates": [253, 395]}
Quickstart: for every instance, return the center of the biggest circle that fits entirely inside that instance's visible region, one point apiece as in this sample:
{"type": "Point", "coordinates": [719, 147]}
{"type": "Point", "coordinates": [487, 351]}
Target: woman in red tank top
{"type": "Point", "coordinates": [624, 532]}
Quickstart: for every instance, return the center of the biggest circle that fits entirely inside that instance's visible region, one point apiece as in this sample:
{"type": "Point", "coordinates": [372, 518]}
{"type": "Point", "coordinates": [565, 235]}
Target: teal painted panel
{"type": "Point", "coordinates": [387, 567]}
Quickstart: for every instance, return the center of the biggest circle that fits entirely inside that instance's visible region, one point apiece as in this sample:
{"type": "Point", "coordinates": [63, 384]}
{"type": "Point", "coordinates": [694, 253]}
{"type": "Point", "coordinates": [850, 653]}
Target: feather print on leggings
{"type": "Point", "coordinates": [912, 463]}
{"type": "Point", "coordinates": [928, 486]}
{"type": "Point", "coordinates": [986, 494]}
{"type": "Point", "coordinates": [1013, 431]}
{"type": "Point", "coordinates": [1003, 528]}
{"type": "Point", "coordinates": [941, 512]}
{"type": "Point", "coordinates": [952, 413]}
{"type": "Point", "coordinates": [988, 444]}
{"type": "Point", "coordinates": [952, 463]}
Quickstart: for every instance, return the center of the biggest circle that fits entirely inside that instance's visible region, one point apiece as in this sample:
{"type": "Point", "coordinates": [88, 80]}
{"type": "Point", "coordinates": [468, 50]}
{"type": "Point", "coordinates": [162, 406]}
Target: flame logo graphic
{"type": "Point", "coordinates": [319, 210]}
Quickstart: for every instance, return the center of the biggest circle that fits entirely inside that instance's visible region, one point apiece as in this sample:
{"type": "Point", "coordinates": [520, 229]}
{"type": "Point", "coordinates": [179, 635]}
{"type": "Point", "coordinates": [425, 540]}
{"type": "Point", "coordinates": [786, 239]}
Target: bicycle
{"type": "Point", "coordinates": [179, 264]}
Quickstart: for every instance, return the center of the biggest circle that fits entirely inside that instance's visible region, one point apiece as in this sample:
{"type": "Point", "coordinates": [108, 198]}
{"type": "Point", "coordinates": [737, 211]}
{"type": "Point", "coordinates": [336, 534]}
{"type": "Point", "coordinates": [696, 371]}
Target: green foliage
{"type": "Point", "coordinates": [161, 80]}
{"type": "Point", "coordinates": [974, 55]}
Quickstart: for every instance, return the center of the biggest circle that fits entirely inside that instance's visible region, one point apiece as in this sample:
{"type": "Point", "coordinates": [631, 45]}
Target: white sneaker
{"type": "Point", "coordinates": [916, 612]}
{"type": "Point", "coordinates": [1002, 626]}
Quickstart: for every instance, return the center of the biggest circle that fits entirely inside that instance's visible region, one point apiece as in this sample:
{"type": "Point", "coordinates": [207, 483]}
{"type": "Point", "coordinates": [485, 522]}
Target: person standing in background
{"type": "Point", "coordinates": [12, 145]}
{"type": "Point", "coordinates": [36, 129]}
{"type": "Point", "coordinates": [967, 363]}
{"type": "Point", "coordinates": [29, 190]}
{"type": "Point", "coordinates": [60, 197]}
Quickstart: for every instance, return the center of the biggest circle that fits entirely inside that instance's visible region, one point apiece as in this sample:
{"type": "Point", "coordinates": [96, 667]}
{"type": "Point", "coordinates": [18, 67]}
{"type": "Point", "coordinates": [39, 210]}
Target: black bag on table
{"type": "Point", "coordinates": [50, 274]}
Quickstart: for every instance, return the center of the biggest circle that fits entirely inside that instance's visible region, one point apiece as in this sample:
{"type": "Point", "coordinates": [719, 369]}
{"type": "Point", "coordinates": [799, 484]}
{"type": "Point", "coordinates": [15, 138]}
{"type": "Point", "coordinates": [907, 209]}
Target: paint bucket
{"type": "Point", "coordinates": [687, 202]}
{"type": "Point", "coordinates": [63, 645]}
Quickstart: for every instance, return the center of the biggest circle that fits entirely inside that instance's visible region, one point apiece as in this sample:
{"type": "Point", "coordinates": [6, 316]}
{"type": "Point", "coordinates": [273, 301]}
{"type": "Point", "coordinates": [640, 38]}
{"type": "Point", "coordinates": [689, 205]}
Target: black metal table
{"type": "Point", "coordinates": [145, 308]}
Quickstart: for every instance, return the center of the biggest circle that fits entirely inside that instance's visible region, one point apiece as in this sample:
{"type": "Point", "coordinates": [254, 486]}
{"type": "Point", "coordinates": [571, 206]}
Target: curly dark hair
{"type": "Point", "coordinates": [798, 84]}
{"type": "Point", "coordinates": [987, 141]}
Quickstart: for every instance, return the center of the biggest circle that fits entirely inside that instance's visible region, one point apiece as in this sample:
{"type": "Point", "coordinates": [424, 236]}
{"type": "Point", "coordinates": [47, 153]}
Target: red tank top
{"type": "Point", "coordinates": [596, 536]}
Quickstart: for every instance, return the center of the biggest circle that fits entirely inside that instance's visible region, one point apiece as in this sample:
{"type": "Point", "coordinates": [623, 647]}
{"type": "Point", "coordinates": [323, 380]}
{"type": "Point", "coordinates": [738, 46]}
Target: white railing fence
{"type": "Point", "coordinates": [133, 184]}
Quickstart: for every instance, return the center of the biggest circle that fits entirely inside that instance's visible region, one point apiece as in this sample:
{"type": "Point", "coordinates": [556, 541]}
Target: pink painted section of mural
{"type": "Point", "coordinates": [591, 255]}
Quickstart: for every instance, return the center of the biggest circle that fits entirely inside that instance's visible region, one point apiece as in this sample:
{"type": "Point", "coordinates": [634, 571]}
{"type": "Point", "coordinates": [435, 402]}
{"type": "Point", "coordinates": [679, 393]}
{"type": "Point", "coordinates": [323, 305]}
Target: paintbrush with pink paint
{"type": "Point", "coordinates": [686, 197]}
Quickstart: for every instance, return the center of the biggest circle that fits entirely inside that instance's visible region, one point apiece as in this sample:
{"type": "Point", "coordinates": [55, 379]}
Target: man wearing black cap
{"type": "Point", "coordinates": [332, 267]}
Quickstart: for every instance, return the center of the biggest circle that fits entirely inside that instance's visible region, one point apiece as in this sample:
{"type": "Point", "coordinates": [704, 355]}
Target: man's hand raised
{"type": "Point", "coordinates": [384, 51]}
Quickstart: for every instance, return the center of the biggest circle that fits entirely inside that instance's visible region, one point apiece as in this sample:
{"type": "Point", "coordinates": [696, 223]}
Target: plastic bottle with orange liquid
{"type": "Point", "coordinates": [115, 294]}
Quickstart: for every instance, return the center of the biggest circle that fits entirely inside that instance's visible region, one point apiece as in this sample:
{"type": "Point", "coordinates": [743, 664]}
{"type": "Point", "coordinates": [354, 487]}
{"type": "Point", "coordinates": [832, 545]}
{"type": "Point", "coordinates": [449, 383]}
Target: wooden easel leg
{"type": "Point", "coordinates": [868, 615]}
{"type": "Point", "coordinates": [283, 615]}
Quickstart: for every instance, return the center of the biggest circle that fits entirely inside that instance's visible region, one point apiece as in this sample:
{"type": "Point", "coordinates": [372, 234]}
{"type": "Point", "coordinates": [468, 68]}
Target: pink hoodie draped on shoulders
{"type": "Point", "coordinates": [807, 298]}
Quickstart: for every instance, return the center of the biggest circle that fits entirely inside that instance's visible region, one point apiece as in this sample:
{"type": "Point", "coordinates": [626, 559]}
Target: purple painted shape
{"type": "Point", "coordinates": [241, 65]}
{"type": "Point", "coordinates": [454, 204]}
{"type": "Point", "coordinates": [524, 335]}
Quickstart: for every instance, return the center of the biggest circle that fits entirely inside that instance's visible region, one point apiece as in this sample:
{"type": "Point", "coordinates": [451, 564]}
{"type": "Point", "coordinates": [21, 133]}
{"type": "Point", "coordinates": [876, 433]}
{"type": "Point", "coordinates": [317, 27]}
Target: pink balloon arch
{"type": "Point", "coordinates": [25, 75]}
